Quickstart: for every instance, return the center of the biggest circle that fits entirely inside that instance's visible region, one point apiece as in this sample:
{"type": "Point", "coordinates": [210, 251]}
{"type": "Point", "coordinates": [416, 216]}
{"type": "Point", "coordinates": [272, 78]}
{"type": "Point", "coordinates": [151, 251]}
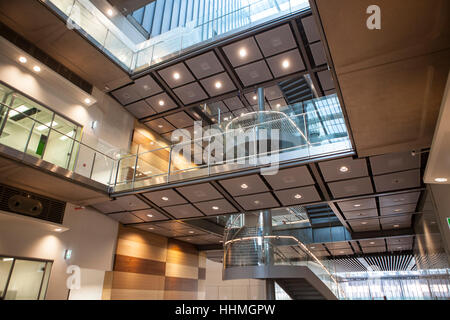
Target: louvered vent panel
{"type": "Point", "coordinates": [53, 210]}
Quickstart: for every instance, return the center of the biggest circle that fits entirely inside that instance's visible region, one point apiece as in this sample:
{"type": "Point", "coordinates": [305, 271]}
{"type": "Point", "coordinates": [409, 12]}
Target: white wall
{"type": "Point", "coordinates": [92, 238]}
{"type": "Point", "coordinates": [218, 289]}
{"type": "Point", "coordinates": [115, 124]}
{"type": "Point", "coordinates": [91, 285]}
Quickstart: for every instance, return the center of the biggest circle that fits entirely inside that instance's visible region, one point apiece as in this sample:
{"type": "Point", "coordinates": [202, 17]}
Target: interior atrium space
{"type": "Point", "coordinates": [199, 150]}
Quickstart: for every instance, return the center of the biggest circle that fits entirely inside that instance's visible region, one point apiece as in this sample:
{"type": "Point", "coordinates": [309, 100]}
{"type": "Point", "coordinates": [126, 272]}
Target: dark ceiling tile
{"type": "Point", "coordinates": [398, 199]}
{"type": "Point", "coordinates": [204, 65]}
{"type": "Point", "coordinates": [244, 185]}
{"type": "Point", "coordinates": [126, 95]}
{"type": "Point", "coordinates": [345, 168]}
{"type": "Point", "coordinates": [254, 73]}
{"type": "Point", "coordinates": [298, 195]}
{"type": "Point", "coordinates": [131, 202]}
{"type": "Point", "coordinates": [374, 249]}
{"type": "Point", "coordinates": [149, 215]}
{"type": "Point", "coordinates": [176, 75]}
{"type": "Point", "coordinates": [286, 63]}
{"type": "Point", "coordinates": [190, 93]}
{"type": "Point", "coordinates": [200, 192]}
{"type": "Point", "coordinates": [372, 243]}
{"type": "Point", "coordinates": [212, 83]}
{"type": "Point", "coordinates": [109, 206]}
{"type": "Point", "coordinates": [273, 92]}
{"type": "Point", "coordinates": [160, 125]}
{"type": "Point", "coordinates": [278, 103]}
{"type": "Point", "coordinates": [140, 109]}
{"type": "Point", "coordinates": [218, 206]}
{"type": "Point", "coordinates": [257, 201]}
{"type": "Point", "coordinates": [318, 53]}
{"type": "Point", "coordinates": [397, 181]}
{"type": "Point", "coordinates": [405, 208]}
{"type": "Point", "coordinates": [125, 217]}
{"type": "Point", "coordinates": [161, 102]}
{"type": "Point", "coordinates": [352, 187]}
{"type": "Point", "coordinates": [311, 30]}
{"type": "Point", "coordinates": [360, 204]}
{"type": "Point", "coordinates": [180, 120]}
{"type": "Point", "coordinates": [164, 198]}
{"type": "Point", "coordinates": [276, 40]}
{"type": "Point", "coordinates": [289, 178]}
{"type": "Point", "coordinates": [361, 214]}
{"type": "Point", "coordinates": [146, 86]}
{"type": "Point", "coordinates": [393, 162]}
{"type": "Point", "coordinates": [243, 51]}
{"type": "Point", "coordinates": [183, 211]}
{"type": "Point", "coordinates": [234, 103]}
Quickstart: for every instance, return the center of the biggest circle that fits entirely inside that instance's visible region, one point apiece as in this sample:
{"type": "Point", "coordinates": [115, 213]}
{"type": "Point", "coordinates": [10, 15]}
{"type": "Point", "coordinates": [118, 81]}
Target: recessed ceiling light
{"type": "Point", "coordinates": [37, 68]}
{"type": "Point", "coordinates": [218, 84]}
{"type": "Point", "coordinates": [191, 232]}
{"type": "Point", "coordinates": [151, 228]}
{"type": "Point", "coordinates": [343, 169]}
{"type": "Point", "coordinates": [176, 76]}
{"type": "Point", "coordinates": [215, 208]}
{"type": "Point", "coordinates": [364, 222]}
{"type": "Point", "coordinates": [110, 12]}
{"type": "Point", "coordinates": [256, 201]}
{"type": "Point", "coordinates": [312, 247]}
{"type": "Point", "coordinates": [440, 179]}
{"type": "Point", "coordinates": [371, 242]}
{"type": "Point", "coordinates": [161, 102]}
{"type": "Point", "coordinates": [165, 199]}
{"type": "Point", "coordinates": [285, 63]}
{"type": "Point", "coordinates": [396, 225]}
{"type": "Point", "coordinates": [150, 215]}
{"type": "Point", "coordinates": [341, 251]}
{"type": "Point", "coordinates": [397, 210]}
{"type": "Point", "coordinates": [58, 229]}
{"type": "Point", "coordinates": [255, 97]}
{"type": "Point", "coordinates": [298, 196]}
{"type": "Point", "coordinates": [160, 125]}
{"type": "Point", "coordinates": [278, 105]}
{"type": "Point", "coordinates": [243, 52]}
{"type": "Point", "coordinates": [357, 205]}
{"type": "Point", "coordinates": [23, 60]}
{"type": "Point", "coordinates": [244, 186]}
{"type": "Point", "coordinates": [87, 101]}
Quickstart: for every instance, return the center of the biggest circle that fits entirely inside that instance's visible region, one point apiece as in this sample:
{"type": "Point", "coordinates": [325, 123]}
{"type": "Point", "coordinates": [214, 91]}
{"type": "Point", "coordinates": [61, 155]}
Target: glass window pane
{"type": "Point", "coordinates": [5, 269]}
{"type": "Point", "coordinates": [59, 149]}
{"type": "Point", "coordinates": [16, 131]}
{"type": "Point", "coordinates": [48, 269]}
{"type": "Point", "coordinates": [38, 140]}
{"type": "Point", "coordinates": [26, 280]}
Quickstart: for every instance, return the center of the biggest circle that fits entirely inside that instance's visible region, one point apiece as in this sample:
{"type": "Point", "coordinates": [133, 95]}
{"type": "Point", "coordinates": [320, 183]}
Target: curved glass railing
{"type": "Point", "coordinates": [253, 140]}
{"type": "Point", "coordinates": [105, 35]}
{"type": "Point", "coordinates": [246, 245]}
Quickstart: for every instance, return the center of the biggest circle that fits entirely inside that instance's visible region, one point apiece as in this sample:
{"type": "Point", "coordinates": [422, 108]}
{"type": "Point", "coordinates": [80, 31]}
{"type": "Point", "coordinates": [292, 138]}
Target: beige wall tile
{"type": "Point", "coordinates": [127, 280]}
{"type": "Point", "coordinates": [181, 271]}
{"type": "Point", "coordinates": [141, 250]}
{"type": "Point", "coordinates": [130, 294]}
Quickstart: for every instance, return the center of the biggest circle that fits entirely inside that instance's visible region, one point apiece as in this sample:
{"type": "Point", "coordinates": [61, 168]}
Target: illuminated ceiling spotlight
{"type": "Point", "coordinates": [176, 76]}
{"type": "Point", "coordinates": [396, 225]}
{"type": "Point", "coordinates": [440, 179]}
{"type": "Point", "coordinates": [364, 222]}
{"type": "Point", "coordinates": [357, 205]}
{"type": "Point", "coordinates": [278, 105]}
{"type": "Point", "coordinates": [255, 97]}
{"type": "Point", "coordinates": [244, 186]}
{"type": "Point", "coordinates": [37, 69]}
{"type": "Point", "coordinates": [23, 59]}
{"type": "Point", "coordinates": [165, 199]}
{"type": "Point", "coordinates": [343, 169]}
{"type": "Point", "coordinates": [110, 12]}
{"type": "Point", "coordinates": [58, 229]}
{"type": "Point", "coordinates": [160, 126]}
{"type": "Point", "coordinates": [218, 84]}
{"type": "Point", "coordinates": [285, 64]}
{"type": "Point", "coordinates": [87, 101]}
{"type": "Point", "coordinates": [150, 215]}
{"type": "Point", "coordinates": [215, 208]}
{"type": "Point", "coordinates": [161, 102]}
{"type": "Point", "coordinates": [298, 196]}
{"type": "Point", "coordinates": [243, 53]}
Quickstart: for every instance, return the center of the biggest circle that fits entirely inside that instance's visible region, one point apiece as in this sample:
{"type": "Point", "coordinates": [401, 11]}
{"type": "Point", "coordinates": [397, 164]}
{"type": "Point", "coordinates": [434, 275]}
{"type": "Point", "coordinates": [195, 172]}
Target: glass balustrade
{"type": "Point", "coordinates": [36, 131]}
{"type": "Point", "coordinates": [255, 139]}
{"type": "Point", "coordinates": [103, 33]}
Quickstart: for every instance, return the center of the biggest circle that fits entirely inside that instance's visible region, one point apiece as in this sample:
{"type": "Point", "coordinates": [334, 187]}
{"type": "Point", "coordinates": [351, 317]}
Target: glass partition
{"type": "Point", "coordinates": [255, 139]}
{"type": "Point", "coordinates": [103, 33]}
{"type": "Point", "coordinates": [35, 130]}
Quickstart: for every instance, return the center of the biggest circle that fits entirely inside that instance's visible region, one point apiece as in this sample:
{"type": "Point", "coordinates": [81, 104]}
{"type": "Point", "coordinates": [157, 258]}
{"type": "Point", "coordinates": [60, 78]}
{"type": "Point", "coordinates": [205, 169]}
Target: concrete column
{"type": "Point", "coordinates": [270, 289]}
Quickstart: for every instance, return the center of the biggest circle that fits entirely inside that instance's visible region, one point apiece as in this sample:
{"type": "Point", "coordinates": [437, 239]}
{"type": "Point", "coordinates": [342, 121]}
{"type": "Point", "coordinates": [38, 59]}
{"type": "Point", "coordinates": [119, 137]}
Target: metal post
{"type": "Point", "coordinates": [48, 138]}
{"type": "Point", "coordinates": [93, 164]}
{"type": "Point", "coordinates": [135, 167]}
{"type": "Point", "coordinates": [29, 137]}
{"type": "Point", "coordinates": [267, 231]}
{"type": "Point", "coordinates": [117, 173]}
{"type": "Point", "coordinates": [270, 289]}
{"type": "Point", "coordinates": [170, 163]}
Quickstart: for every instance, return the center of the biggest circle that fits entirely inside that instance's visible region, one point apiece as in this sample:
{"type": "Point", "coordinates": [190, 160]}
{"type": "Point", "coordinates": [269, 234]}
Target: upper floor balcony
{"type": "Point", "coordinates": [207, 23]}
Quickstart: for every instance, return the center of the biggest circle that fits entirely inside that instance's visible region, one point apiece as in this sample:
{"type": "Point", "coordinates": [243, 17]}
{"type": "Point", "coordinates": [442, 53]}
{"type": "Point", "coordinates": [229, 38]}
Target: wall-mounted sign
{"type": "Point", "coordinates": [448, 222]}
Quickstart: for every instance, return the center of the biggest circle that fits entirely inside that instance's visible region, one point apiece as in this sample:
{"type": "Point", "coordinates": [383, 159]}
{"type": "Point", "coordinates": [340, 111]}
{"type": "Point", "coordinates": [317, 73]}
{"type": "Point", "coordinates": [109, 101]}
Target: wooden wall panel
{"type": "Point", "coordinates": [149, 266]}
{"type": "Point", "coordinates": [138, 265]}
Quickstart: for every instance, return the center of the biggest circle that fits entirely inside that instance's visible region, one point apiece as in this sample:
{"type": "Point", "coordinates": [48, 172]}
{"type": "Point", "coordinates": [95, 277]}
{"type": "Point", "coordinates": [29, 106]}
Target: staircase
{"type": "Point", "coordinates": [296, 90]}
{"type": "Point", "coordinates": [243, 253]}
{"type": "Point", "coordinates": [300, 289]}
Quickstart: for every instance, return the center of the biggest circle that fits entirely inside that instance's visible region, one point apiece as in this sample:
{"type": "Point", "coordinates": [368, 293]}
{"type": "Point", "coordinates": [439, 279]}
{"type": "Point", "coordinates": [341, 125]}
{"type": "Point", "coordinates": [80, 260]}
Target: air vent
{"type": "Point", "coordinates": [29, 204]}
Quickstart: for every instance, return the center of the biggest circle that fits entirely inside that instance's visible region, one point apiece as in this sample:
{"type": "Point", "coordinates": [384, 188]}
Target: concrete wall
{"type": "Point", "coordinates": [218, 289]}
{"type": "Point", "coordinates": [92, 238]}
